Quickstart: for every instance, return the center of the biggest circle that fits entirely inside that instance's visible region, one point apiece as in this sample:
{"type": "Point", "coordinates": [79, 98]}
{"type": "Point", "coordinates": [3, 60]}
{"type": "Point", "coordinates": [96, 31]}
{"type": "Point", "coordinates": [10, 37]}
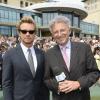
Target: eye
{"type": "Point", "coordinates": [62, 30]}
{"type": "Point", "coordinates": [56, 32]}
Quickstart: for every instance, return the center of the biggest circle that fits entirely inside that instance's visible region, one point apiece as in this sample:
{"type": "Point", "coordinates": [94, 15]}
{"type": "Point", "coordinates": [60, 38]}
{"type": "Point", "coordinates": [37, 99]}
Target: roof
{"type": "Point", "coordinates": [18, 8]}
{"type": "Point", "coordinates": [76, 7]}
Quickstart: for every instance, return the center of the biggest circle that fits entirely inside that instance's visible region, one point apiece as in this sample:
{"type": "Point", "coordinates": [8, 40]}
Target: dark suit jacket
{"type": "Point", "coordinates": [18, 82]}
{"type": "Point", "coordinates": [1, 59]}
{"type": "Point", "coordinates": [83, 68]}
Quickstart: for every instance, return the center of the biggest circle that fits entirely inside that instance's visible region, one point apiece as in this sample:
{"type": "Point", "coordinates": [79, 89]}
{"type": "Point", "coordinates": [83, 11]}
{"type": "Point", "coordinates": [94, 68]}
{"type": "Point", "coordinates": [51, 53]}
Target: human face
{"type": "Point", "coordinates": [60, 33]}
{"type": "Point", "coordinates": [27, 37]}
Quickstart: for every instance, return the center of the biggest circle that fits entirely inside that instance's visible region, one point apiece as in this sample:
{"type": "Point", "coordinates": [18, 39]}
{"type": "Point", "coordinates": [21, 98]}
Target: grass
{"type": "Point", "coordinates": [1, 98]}
{"type": "Point", "coordinates": [94, 90]}
{"type": "Point", "coordinates": [96, 98]}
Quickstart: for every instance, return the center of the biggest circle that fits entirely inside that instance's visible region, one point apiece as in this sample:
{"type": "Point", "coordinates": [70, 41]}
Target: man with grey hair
{"type": "Point", "coordinates": [70, 66]}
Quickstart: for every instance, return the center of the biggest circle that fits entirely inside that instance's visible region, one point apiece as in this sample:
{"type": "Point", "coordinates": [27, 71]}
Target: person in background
{"type": "Point", "coordinates": [97, 58]}
{"type": "Point", "coordinates": [23, 67]}
{"type": "Point", "coordinates": [70, 66]}
{"type": "Point", "coordinates": [1, 59]}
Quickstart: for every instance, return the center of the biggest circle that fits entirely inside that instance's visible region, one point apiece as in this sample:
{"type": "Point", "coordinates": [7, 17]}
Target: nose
{"type": "Point", "coordinates": [27, 33]}
{"type": "Point", "coordinates": [59, 33]}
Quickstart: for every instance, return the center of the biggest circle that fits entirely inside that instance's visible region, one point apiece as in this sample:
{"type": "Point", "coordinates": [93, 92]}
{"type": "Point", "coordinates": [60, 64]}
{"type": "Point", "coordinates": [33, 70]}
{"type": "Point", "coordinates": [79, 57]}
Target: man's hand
{"type": "Point", "coordinates": [68, 86]}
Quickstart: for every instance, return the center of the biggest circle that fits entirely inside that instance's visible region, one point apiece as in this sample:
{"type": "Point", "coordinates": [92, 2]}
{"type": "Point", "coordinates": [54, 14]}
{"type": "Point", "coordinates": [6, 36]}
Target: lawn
{"type": "Point", "coordinates": [96, 98]}
{"type": "Point", "coordinates": [95, 93]}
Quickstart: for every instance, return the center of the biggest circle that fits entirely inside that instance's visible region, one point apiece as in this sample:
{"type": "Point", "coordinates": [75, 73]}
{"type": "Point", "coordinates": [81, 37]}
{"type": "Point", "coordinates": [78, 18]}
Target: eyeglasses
{"type": "Point", "coordinates": [29, 31]}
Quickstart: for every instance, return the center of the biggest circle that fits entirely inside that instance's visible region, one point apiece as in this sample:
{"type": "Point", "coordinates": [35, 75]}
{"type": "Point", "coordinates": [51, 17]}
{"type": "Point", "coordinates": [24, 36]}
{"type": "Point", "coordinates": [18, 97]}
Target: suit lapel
{"type": "Point", "coordinates": [73, 58]}
{"type": "Point", "coordinates": [59, 56]}
{"type": "Point", "coordinates": [74, 54]}
{"type": "Point", "coordinates": [37, 58]}
{"type": "Point", "coordinates": [23, 60]}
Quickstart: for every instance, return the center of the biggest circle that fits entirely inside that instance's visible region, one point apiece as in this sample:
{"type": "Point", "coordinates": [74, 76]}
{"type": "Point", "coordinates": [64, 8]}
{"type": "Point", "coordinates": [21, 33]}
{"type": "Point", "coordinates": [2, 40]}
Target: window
{"type": "Point", "coordinates": [31, 4]}
{"type": "Point", "coordinates": [21, 4]}
{"type": "Point", "coordinates": [2, 14]}
{"type": "Point", "coordinates": [76, 21]}
{"type": "Point", "coordinates": [47, 16]}
{"type": "Point", "coordinates": [0, 1]}
{"type": "Point", "coordinates": [93, 1]}
{"type": "Point", "coordinates": [6, 14]}
{"type": "Point", "coordinates": [5, 1]}
{"type": "Point", "coordinates": [38, 19]}
{"type": "Point", "coordinates": [26, 4]}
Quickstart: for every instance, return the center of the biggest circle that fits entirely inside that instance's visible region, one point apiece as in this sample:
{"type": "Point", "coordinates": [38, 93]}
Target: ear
{"type": "Point", "coordinates": [19, 34]}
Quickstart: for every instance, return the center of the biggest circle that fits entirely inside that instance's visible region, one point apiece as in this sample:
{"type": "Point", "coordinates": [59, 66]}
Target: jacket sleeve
{"type": "Point", "coordinates": [92, 72]}
{"type": "Point", "coordinates": [7, 78]}
{"type": "Point", "coordinates": [49, 78]}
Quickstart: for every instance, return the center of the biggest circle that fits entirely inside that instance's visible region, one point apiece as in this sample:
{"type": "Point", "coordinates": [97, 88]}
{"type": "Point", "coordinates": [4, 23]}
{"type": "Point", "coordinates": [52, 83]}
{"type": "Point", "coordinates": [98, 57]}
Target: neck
{"type": "Point", "coordinates": [28, 45]}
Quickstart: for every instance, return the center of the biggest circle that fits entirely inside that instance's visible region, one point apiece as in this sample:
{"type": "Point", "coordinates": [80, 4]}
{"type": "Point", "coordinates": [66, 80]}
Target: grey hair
{"type": "Point", "coordinates": [59, 19]}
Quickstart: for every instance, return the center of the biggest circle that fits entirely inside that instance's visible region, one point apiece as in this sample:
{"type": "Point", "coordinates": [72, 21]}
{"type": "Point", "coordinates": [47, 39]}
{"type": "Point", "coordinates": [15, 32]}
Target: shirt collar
{"type": "Point", "coordinates": [25, 48]}
{"type": "Point", "coordinates": [67, 45]}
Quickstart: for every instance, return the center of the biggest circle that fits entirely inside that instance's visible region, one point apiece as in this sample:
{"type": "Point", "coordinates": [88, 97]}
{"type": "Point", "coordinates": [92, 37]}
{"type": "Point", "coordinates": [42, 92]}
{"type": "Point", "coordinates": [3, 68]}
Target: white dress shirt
{"type": "Point", "coordinates": [25, 51]}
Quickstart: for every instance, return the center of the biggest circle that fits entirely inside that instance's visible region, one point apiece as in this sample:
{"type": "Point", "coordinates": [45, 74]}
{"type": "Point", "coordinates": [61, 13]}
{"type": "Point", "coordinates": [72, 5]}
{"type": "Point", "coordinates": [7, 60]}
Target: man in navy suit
{"type": "Point", "coordinates": [1, 70]}
{"type": "Point", "coordinates": [22, 75]}
{"type": "Point", "coordinates": [70, 66]}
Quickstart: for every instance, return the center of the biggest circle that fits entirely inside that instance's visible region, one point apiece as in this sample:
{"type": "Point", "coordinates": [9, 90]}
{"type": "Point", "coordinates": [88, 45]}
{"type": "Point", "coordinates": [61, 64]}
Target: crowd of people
{"type": "Point", "coordinates": [20, 83]}
{"type": "Point", "coordinates": [45, 43]}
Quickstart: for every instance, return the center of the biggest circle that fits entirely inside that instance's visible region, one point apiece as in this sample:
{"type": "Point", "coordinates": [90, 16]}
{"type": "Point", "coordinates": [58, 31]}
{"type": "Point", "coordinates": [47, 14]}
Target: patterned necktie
{"type": "Point", "coordinates": [65, 56]}
{"type": "Point", "coordinates": [30, 62]}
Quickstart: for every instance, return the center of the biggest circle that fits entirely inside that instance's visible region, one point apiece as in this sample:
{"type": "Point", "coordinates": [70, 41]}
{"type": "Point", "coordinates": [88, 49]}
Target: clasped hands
{"type": "Point", "coordinates": [67, 86]}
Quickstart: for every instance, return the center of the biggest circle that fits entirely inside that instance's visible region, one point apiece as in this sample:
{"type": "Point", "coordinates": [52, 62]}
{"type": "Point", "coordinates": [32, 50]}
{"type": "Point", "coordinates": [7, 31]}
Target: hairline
{"type": "Point", "coordinates": [59, 19]}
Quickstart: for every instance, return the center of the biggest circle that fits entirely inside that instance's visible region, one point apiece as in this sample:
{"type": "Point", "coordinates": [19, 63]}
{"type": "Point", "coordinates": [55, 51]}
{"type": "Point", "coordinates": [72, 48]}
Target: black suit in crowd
{"type": "Point", "coordinates": [1, 59]}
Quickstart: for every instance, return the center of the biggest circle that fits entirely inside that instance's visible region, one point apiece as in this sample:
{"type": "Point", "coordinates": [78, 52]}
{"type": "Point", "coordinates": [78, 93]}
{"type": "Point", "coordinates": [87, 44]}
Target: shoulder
{"type": "Point", "coordinates": [82, 48]}
{"type": "Point", "coordinates": [81, 44]}
{"type": "Point", "coordinates": [11, 51]}
{"type": "Point", "coordinates": [53, 49]}
{"type": "Point", "coordinates": [38, 50]}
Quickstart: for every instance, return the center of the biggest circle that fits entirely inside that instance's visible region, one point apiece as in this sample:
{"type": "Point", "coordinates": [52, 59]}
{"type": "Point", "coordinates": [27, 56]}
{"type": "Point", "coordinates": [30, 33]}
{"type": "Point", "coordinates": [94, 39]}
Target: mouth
{"type": "Point", "coordinates": [60, 39]}
{"type": "Point", "coordinates": [28, 38]}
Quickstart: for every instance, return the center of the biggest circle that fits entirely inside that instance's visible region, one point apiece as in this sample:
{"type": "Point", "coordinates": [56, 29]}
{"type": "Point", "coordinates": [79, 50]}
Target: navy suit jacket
{"type": "Point", "coordinates": [83, 68]}
{"type": "Point", "coordinates": [1, 59]}
{"type": "Point", "coordinates": [18, 82]}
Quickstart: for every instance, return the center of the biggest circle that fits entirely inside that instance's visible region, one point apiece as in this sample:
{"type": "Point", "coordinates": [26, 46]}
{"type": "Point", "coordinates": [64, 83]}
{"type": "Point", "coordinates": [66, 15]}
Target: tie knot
{"type": "Point", "coordinates": [64, 48]}
{"type": "Point", "coordinates": [29, 50]}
